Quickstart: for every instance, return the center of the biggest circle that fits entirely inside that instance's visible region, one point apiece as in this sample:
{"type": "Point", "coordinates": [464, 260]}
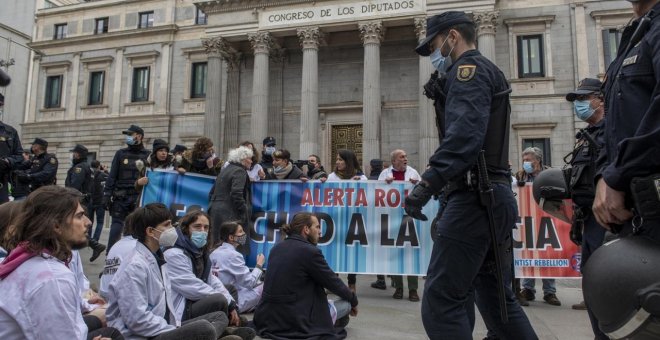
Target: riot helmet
{"type": "Point", "coordinates": [551, 193]}
{"type": "Point", "coordinates": [621, 285]}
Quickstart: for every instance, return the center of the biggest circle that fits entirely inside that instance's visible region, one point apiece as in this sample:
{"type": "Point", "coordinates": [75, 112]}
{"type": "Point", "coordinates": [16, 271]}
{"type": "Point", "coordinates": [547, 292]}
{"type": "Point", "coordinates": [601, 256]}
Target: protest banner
{"type": "Point", "coordinates": [364, 228]}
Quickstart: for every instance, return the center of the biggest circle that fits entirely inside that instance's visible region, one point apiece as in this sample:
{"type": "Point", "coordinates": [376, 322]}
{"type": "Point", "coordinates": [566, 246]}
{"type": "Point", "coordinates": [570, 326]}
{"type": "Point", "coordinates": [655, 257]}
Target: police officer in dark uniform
{"type": "Point", "coordinates": [585, 230]}
{"type": "Point", "coordinates": [11, 154]}
{"type": "Point", "coordinates": [119, 195]}
{"type": "Point", "coordinates": [472, 108]}
{"type": "Point", "coordinates": [43, 168]}
{"type": "Point", "coordinates": [80, 177]}
{"type": "Point", "coordinates": [628, 186]}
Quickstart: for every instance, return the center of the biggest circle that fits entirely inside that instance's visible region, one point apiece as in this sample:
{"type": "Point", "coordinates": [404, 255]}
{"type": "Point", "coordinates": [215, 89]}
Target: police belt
{"type": "Point", "coordinates": [470, 182]}
{"type": "Point", "coordinates": [646, 196]}
{"type": "Point", "coordinates": [124, 192]}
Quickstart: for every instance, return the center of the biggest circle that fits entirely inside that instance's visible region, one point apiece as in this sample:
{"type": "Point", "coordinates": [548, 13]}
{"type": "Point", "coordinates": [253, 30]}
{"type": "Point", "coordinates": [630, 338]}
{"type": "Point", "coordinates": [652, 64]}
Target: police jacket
{"type": "Point", "coordinates": [123, 171]}
{"type": "Point", "coordinates": [80, 177]}
{"type": "Point", "coordinates": [43, 171]}
{"type": "Point", "coordinates": [583, 166]}
{"type": "Point", "coordinates": [189, 270]}
{"type": "Point", "coordinates": [632, 103]}
{"type": "Point", "coordinates": [231, 269]}
{"type": "Point", "coordinates": [139, 296]}
{"type": "Point", "coordinates": [10, 145]}
{"type": "Point", "coordinates": [473, 114]}
{"type": "Point", "coordinates": [97, 188]}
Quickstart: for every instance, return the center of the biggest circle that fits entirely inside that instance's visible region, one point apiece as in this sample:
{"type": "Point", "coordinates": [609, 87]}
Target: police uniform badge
{"type": "Point", "coordinates": [466, 72]}
{"type": "Point", "coordinates": [53, 161]}
{"type": "Point", "coordinates": [125, 161]}
{"type": "Point", "coordinates": [77, 170]}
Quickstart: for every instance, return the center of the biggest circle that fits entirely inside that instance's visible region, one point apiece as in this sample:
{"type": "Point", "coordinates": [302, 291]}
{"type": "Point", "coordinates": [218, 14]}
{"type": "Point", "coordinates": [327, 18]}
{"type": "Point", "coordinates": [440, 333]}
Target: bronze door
{"type": "Point", "coordinates": [346, 137]}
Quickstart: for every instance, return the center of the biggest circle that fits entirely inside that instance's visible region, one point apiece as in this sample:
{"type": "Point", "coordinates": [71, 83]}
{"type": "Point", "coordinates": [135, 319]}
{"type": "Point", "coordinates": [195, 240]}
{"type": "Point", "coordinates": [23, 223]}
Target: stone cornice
{"type": "Point", "coordinates": [612, 13]}
{"type": "Point", "coordinates": [547, 19]}
{"type": "Point", "coordinates": [94, 38]}
{"type": "Point", "coordinates": [371, 32]}
{"type": "Point", "coordinates": [216, 6]}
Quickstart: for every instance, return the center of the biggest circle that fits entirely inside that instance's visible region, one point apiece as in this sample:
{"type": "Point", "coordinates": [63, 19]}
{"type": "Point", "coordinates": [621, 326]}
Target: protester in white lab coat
{"type": "Point", "coordinates": [195, 291]}
{"type": "Point", "coordinates": [121, 251]}
{"type": "Point", "coordinates": [139, 295]}
{"type": "Point", "coordinates": [40, 296]}
{"type": "Point", "coordinates": [91, 304]}
{"type": "Point", "coordinates": [230, 266]}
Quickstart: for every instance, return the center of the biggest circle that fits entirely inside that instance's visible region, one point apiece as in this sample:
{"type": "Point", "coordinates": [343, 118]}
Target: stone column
{"type": "Point", "coordinates": [581, 43]}
{"type": "Point", "coordinates": [33, 89]}
{"type": "Point", "coordinates": [261, 43]}
{"type": "Point", "coordinates": [486, 23]}
{"type": "Point", "coordinates": [276, 94]}
{"type": "Point", "coordinates": [428, 133]}
{"type": "Point", "coordinates": [115, 109]}
{"type": "Point", "coordinates": [233, 60]}
{"type": "Point", "coordinates": [71, 101]}
{"type": "Point", "coordinates": [163, 104]}
{"type": "Point", "coordinates": [213, 122]}
{"type": "Point", "coordinates": [310, 39]}
{"type": "Point", "coordinates": [372, 33]}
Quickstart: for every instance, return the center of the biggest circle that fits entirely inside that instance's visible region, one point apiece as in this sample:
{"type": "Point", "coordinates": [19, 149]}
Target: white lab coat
{"type": "Point", "coordinates": [332, 177]}
{"type": "Point", "coordinates": [120, 251]}
{"type": "Point", "coordinates": [230, 267]}
{"type": "Point", "coordinates": [83, 283]}
{"type": "Point", "coordinates": [138, 295]}
{"type": "Point", "coordinates": [185, 285]}
{"type": "Point", "coordinates": [410, 174]}
{"type": "Point", "coordinates": [40, 300]}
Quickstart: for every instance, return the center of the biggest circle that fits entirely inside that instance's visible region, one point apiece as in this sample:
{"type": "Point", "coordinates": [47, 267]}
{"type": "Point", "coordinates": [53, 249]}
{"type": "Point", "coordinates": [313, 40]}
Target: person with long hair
{"type": "Point", "coordinates": [347, 167]}
{"type": "Point", "coordinates": [230, 266]}
{"type": "Point", "coordinates": [201, 159]}
{"type": "Point", "coordinates": [8, 212]}
{"type": "Point", "coordinates": [255, 172]}
{"type": "Point", "coordinates": [51, 224]}
{"type": "Point", "coordinates": [195, 291]}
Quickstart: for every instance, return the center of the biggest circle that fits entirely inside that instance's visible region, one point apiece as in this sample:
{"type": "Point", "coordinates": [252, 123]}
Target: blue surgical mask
{"type": "Point", "coordinates": [269, 150]}
{"type": "Point", "coordinates": [528, 167]}
{"type": "Point", "coordinates": [130, 140]}
{"type": "Point", "coordinates": [583, 109]}
{"type": "Point", "coordinates": [437, 59]}
{"type": "Point", "coordinates": [199, 238]}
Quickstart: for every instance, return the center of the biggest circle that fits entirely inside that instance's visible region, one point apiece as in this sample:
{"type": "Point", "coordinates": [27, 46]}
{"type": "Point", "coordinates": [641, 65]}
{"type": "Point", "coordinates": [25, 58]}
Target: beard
{"type": "Point", "coordinates": [79, 245]}
{"type": "Point", "coordinates": [312, 240]}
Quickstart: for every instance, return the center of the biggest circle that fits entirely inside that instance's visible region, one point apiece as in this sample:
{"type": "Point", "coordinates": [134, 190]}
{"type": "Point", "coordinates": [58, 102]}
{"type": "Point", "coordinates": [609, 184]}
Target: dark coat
{"type": "Point", "coordinates": [294, 304]}
{"type": "Point", "coordinates": [230, 200]}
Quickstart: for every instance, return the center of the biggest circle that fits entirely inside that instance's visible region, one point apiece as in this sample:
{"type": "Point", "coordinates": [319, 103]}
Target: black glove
{"type": "Point", "coordinates": [417, 199]}
{"type": "Point", "coordinates": [4, 165]}
{"type": "Point", "coordinates": [106, 203]}
{"type": "Point", "coordinates": [521, 183]}
{"type": "Point", "coordinates": [576, 231]}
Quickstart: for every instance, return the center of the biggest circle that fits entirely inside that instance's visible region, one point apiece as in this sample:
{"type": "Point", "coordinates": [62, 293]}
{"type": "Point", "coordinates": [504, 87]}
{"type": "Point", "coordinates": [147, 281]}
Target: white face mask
{"type": "Point", "coordinates": [167, 238]}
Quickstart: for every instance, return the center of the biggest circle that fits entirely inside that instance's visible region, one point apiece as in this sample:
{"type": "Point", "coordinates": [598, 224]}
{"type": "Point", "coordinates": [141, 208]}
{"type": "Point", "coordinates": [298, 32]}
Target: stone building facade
{"type": "Point", "coordinates": [317, 75]}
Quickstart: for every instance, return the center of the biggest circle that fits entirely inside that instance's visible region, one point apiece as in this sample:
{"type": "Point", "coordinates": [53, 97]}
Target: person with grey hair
{"type": "Point", "coordinates": [532, 158]}
{"type": "Point", "coordinates": [230, 197]}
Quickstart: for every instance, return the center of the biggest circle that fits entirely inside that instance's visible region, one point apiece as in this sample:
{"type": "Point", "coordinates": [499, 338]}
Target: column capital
{"type": "Point", "coordinates": [216, 46]}
{"type": "Point", "coordinates": [261, 41]}
{"type": "Point", "coordinates": [420, 28]}
{"type": "Point", "coordinates": [277, 54]}
{"type": "Point", "coordinates": [233, 59]}
{"type": "Point", "coordinates": [486, 22]}
{"type": "Point", "coordinates": [371, 32]}
{"type": "Point", "coordinates": [310, 37]}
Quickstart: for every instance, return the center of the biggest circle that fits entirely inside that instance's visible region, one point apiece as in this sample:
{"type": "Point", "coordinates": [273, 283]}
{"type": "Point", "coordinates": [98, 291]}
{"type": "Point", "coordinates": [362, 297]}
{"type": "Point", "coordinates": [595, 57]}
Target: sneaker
{"type": "Point", "coordinates": [97, 250]}
{"type": "Point", "coordinates": [527, 294]}
{"type": "Point", "coordinates": [412, 295]}
{"type": "Point", "coordinates": [521, 299]}
{"type": "Point", "coordinates": [379, 284]}
{"type": "Point", "coordinates": [552, 299]}
{"type": "Point", "coordinates": [398, 294]}
{"type": "Point", "coordinates": [342, 322]}
{"type": "Point", "coordinates": [579, 306]}
{"type": "Point", "coordinates": [245, 333]}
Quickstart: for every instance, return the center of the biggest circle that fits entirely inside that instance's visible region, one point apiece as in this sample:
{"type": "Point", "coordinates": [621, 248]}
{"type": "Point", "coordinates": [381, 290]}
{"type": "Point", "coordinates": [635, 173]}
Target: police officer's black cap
{"type": "Point", "coordinates": [79, 148]}
{"type": "Point", "coordinates": [133, 129]}
{"type": "Point", "coordinates": [586, 86]}
{"type": "Point", "coordinates": [179, 148]}
{"type": "Point", "coordinates": [160, 144]}
{"type": "Point", "coordinates": [40, 141]}
{"type": "Point", "coordinates": [438, 24]}
{"type": "Point", "coordinates": [269, 141]}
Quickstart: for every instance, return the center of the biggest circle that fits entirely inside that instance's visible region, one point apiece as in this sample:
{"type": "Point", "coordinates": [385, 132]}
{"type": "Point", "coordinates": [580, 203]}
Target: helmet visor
{"type": "Point", "coordinates": [561, 209]}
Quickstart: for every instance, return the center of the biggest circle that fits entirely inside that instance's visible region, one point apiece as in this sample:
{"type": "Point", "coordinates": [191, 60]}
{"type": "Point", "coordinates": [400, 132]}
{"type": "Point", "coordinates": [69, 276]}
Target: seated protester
{"type": "Point", "coordinates": [160, 158]}
{"type": "Point", "coordinates": [139, 295]}
{"type": "Point", "coordinates": [91, 304]}
{"type": "Point", "coordinates": [230, 266]}
{"type": "Point", "coordinates": [8, 212]}
{"type": "Point", "coordinates": [51, 223]}
{"type": "Point", "coordinates": [119, 252]}
{"type": "Point", "coordinates": [292, 305]}
{"type": "Point", "coordinates": [201, 159]}
{"type": "Point", "coordinates": [195, 291]}
{"type": "Point", "coordinates": [283, 168]}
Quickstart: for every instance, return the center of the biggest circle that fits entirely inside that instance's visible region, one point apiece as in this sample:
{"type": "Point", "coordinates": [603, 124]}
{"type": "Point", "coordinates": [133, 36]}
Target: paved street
{"type": "Point", "coordinates": [383, 318]}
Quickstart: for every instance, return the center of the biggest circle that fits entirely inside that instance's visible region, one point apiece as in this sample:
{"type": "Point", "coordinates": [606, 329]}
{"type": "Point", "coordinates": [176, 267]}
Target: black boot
{"type": "Point", "coordinates": [97, 249]}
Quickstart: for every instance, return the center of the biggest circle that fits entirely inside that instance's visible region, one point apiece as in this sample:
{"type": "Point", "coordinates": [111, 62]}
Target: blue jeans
{"type": "Point", "coordinates": [343, 308]}
{"type": "Point", "coordinates": [453, 287]}
{"type": "Point", "coordinates": [99, 211]}
{"type": "Point", "coordinates": [549, 286]}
